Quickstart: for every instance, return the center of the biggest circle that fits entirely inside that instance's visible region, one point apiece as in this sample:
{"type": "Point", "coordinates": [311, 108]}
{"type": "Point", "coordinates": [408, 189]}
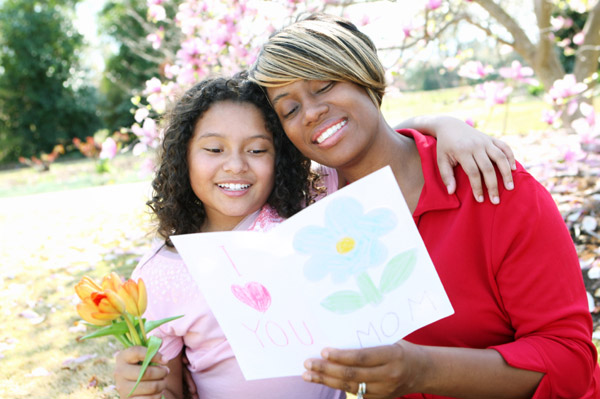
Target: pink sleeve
{"type": "Point", "coordinates": [539, 280]}
{"type": "Point", "coordinates": [169, 286]}
{"type": "Point", "coordinates": [329, 178]}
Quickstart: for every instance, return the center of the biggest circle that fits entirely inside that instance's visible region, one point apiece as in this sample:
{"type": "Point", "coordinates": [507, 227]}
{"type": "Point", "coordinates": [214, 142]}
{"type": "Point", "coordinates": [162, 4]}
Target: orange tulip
{"type": "Point", "coordinates": [101, 307]}
{"type": "Point", "coordinates": [135, 297]}
{"type": "Point", "coordinates": [112, 282]}
{"type": "Point", "coordinates": [85, 287]}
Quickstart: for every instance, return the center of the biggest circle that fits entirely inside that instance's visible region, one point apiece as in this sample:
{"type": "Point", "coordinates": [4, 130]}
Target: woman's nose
{"type": "Point", "coordinates": [313, 111]}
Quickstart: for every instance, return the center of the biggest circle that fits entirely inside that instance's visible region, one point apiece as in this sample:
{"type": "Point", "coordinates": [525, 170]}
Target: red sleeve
{"type": "Point", "coordinates": [541, 288]}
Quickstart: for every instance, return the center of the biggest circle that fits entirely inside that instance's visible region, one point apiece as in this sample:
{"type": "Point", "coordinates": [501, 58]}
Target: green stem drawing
{"type": "Point", "coordinates": [367, 288]}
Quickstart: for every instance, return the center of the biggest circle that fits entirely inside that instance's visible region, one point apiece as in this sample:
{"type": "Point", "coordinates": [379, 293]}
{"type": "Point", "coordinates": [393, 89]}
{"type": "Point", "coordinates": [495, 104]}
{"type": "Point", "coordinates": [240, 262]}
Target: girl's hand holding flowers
{"type": "Point", "coordinates": [116, 308]}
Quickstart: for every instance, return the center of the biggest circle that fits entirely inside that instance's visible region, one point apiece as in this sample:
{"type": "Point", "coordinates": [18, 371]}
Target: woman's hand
{"type": "Point", "coordinates": [388, 371]}
{"type": "Point", "coordinates": [157, 380]}
{"type": "Point", "coordinates": [476, 152]}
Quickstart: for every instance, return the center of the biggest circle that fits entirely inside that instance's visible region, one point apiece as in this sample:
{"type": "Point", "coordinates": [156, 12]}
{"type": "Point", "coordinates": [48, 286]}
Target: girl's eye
{"type": "Point", "coordinates": [257, 151]}
{"type": "Point", "coordinates": [213, 150]}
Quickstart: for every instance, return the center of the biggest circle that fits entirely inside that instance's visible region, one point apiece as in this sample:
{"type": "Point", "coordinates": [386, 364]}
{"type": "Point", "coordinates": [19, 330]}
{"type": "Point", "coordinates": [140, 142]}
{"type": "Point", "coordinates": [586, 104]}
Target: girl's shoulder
{"type": "Point", "coordinates": [159, 257]}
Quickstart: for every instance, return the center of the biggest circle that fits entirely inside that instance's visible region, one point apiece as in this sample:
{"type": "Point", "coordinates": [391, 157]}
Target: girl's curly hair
{"type": "Point", "coordinates": [176, 207]}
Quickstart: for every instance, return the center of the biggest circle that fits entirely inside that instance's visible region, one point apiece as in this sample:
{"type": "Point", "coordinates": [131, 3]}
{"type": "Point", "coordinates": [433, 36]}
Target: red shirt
{"type": "Point", "coordinates": [513, 277]}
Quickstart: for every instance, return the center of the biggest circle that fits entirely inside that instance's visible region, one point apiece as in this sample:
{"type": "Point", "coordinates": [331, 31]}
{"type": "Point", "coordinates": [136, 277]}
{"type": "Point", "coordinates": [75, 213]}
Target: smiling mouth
{"type": "Point", "coordinates": [331, 131]}
{"type": "Point", "coordinates": [234, 187]}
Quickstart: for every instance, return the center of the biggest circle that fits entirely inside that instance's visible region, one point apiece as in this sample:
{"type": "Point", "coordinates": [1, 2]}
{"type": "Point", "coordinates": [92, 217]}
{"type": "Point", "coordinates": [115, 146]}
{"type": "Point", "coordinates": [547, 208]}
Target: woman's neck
{"type": "Point", "coordinates": [397, 151]}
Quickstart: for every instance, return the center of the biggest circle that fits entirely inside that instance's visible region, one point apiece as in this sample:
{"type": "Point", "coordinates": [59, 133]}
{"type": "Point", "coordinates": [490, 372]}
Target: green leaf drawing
{"type": "Point", "coordinates": [153, 346]}
{"type": "Point", "coordinates": [367, 288]}
{"type": "Point", "coordinates": [398, 270]}
{"type": "Point", "coordinates": [343, 302]}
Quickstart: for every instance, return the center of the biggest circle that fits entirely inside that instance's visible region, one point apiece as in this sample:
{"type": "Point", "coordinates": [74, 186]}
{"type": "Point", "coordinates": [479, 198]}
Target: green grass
{"type": "Point", "coordinates": [73, 174]}
{"type": "Point", "coordinates": [521, 115]}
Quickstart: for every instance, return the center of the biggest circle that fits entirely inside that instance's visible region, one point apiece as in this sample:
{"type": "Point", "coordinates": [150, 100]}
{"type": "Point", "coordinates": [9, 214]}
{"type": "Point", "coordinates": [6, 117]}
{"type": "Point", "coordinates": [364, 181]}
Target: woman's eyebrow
{"type": "Point", "coordinates": [278, 97]}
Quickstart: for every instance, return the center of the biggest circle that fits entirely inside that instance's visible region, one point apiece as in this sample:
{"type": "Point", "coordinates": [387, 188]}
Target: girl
{"type": "Point", "coordinates": [225, 164]}
{"type": "Point", "coordinates": [521, 326]}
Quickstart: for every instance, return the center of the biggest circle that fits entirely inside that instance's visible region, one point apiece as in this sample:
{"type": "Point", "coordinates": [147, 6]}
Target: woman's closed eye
{"type": "Point", "coordinates": [290, 112]}
{"type": "Point", "coordinates": [213, 150]}
{"type": "Point", "coordinates": [326, 87]}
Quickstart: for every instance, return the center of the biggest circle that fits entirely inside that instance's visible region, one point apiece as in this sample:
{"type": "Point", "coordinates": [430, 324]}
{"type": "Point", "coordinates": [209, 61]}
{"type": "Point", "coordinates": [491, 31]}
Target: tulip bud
{"type": "Point", "coordinates": [134, 296]}
{"type": "Point", "coordinates": [112, 282]}
{"type": "Point", "coordinates": [85, 287]}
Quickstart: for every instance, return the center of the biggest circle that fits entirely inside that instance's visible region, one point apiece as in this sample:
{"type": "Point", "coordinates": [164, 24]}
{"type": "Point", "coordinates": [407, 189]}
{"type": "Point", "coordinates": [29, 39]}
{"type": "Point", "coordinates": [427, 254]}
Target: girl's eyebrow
{"type": "Point", "coordinates": [218, 135]}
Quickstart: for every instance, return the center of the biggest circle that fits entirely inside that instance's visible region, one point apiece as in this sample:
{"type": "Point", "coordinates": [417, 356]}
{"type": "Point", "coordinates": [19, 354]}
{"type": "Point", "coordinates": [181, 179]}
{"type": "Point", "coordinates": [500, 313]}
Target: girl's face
{"type": "Point", "coordinates": [333, 123]}
{"type": "Point", "coordinates": [231, 160]}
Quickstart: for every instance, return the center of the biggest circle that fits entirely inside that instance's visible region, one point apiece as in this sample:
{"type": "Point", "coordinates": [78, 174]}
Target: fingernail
{"type": "Point", "coordinates": [495, 200]}
{"type": "Point", "coordinates": [510, 185]}
{"type": "Point", "coordinates": [325, 354]}
{"type": "Point", "coordinates": [479, 198]}
{"type": "Point", "coordinates": [307, 364]}
{"type": "Point", "coordinates": [449, 188]}
{"type": "Point", "coordinates": [307, 377]}
{"type": "Point", "coordinates": [513, 166]}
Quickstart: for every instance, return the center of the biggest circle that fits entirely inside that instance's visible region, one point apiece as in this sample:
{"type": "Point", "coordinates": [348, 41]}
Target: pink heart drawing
{"type": "Point", "coordinates": [254, 295]}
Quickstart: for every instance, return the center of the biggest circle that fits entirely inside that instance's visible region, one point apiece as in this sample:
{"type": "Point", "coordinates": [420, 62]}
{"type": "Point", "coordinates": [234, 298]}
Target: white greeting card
{"type": "Point", "coordinates": [349, 271]}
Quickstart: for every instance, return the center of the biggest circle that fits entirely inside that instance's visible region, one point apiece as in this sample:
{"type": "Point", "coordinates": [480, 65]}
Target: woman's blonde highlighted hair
{"type": "Point", "coordinates": [320, 47]}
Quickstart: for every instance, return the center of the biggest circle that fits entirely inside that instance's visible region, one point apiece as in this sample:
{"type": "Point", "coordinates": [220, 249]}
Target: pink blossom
{"type": "Point", "coordinates": [433, 4]}
{"type": "Point", "coordinates": [469, 121]}
{"type": "Point", "coordinates": [109, 149]}
{"type": "Point", "coordinates": [156, 38]}
{"type": "Point", "coordinates": [475, 70]}
{"type": "Point", "coordinates": [153, 85]}
{"type": "Point", "coordinates": [587, 110]}
{"type": "Point", "coordinates": [493, 92]}
{"type": "Point", "coordinates": [565, 88]}
{"type": "Point", "coordinates": [147, 168]}
{"type": "Point", "coordinates": [550, 116]}
{"type": "Point", "coordinates": [578, 38]}
{"type": "Point", "coordinates": [141, 114]}
{"type": "Point", "coordinates": [156, 13]}
{"type": "Point", "coordinates": [147, 134]}
{"type": "Point", "coordinates": [519, 73]}
{"type": "Point", "coordinates": [451, 63]}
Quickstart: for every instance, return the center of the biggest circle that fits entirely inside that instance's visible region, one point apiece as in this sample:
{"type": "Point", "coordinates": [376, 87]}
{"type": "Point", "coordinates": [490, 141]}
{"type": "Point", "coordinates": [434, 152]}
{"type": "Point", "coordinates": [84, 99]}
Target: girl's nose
{"type": "Point", "coordinates": [235, 163]}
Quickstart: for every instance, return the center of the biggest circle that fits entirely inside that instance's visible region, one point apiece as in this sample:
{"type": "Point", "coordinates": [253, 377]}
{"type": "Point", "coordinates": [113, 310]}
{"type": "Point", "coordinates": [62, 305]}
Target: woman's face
{"type": "Point", "coordinates": [333, 123]}
{"type": "Point", "coordinates": [231, 160]}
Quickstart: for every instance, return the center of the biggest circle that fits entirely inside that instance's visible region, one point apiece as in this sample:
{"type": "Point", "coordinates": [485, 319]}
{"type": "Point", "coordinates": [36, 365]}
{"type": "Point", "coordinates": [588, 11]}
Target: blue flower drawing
{"type": "Point", "coordinates": [348, 243]}
{"type": "Point", "coordinates": [347, 246]}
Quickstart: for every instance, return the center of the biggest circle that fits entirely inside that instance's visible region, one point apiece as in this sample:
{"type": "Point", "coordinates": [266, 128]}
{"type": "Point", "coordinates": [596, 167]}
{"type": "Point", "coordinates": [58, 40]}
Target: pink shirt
{"type": "Point", "coordinates": [172, 291]}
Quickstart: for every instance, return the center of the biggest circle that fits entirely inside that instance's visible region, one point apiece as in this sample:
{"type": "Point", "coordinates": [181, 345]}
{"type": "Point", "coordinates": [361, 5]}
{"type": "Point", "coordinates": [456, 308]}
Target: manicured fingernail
{"type": "Point", "coordinates": [479, 198]}
{"type": "Point", "coordinates": [325, 354]}
{"type": "Point", "coordinates": [449, 188]}
{"type": "Point", "coordinates": [513, 166]}
{"type": "Point", "coordinates": [509, 185]}
{"type": "Point", "coordinates": [307, 377]}
{"type": "Point", "coordinates": [495, 200]}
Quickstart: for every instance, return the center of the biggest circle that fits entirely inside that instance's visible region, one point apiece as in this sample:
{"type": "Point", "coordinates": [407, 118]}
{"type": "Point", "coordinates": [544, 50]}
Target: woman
{"type": "Point", "coordinates": [515, 332]}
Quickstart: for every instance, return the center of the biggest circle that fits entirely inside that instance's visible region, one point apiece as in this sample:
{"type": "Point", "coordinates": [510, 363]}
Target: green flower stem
{"type": "Point", "coordinates": [132, 331]}
{"type": "Point", "coordinates": [368, 290]}
{"type": "Point", "coordinates": [143, 330]}
{"type": "Point", "coordinates": [126, 343]}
